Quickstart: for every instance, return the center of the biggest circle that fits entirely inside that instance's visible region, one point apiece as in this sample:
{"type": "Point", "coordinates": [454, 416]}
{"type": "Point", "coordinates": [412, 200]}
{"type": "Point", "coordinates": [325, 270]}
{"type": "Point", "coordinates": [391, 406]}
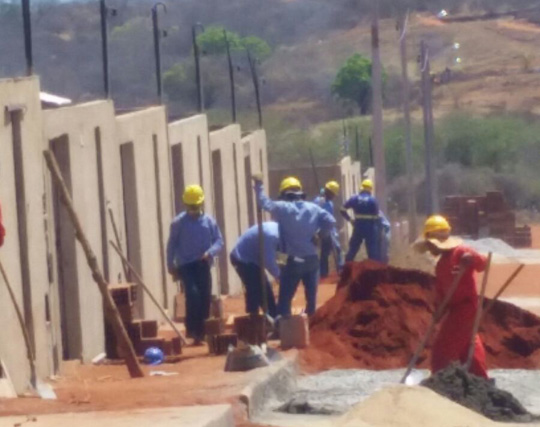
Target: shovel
{"type": "Point", "coordinates": [44, 390]}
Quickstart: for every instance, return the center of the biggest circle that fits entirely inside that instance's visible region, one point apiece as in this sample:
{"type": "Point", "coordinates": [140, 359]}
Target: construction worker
{"type": "Point", "coordinates": [299, 223]}
{"type": "Point", "coordinates": [330, 243]}
{"type": "Point", "coordinates": [2, 229]}
{"type": "Point", "coordinates": [454, 337]}
{"type": "Point", "coordinates": [245, 259]}
{"type": "Point", "coordinates": [194, 241]}
{"type": "Point", "coordinates": [366, 223]}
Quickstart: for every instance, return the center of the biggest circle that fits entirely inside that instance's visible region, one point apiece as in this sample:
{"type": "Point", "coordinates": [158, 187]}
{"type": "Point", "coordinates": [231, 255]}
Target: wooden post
{"type": "Point", "coordinates": [118, 243]}
{"type": "Point", "coordinates": [411, 193]}
{"type": "Point", "coordinates": [377, 117]}
{"type": "Point", "coordinates": [111, 312]}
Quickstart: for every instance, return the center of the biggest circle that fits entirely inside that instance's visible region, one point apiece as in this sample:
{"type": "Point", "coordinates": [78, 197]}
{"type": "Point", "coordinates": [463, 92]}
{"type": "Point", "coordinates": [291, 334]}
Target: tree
{"type": "Point", "coordinates": [212, 42]}
{"type": "Point", "coordinates": [353, 82]}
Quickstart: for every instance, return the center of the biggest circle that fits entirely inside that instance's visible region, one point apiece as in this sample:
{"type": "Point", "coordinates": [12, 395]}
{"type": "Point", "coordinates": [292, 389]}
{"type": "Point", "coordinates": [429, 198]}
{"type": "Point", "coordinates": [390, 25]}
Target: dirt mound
{"type": "Point", "coordinates": [380, 313]}
{"type": "Point", "coordinates": [478, 394]}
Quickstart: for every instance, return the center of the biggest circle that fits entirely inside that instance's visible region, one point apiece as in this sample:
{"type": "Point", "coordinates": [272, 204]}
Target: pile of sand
{"type": "Point", "coordinates": [380, 313]}
{"type": "Point", "coordinates": [403, 406]}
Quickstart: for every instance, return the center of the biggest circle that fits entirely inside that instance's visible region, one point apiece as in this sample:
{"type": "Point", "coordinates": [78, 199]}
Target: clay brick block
{"type": "Point", "coordinates": [134, 332]}
{"type": "Point", "coordinates": [251, 329]}
{"type": "Point", "coordinates": [150, 342]}
{"type": "Point", "coordinates": [180, 307]}
{"type": "Point", "coordinates": [224, 341]}
{"type": "Point", "coordinates": [214, 326]}
{"type": "Point", "coordinates": [126, 313]}
{"type": "Point", "coordinates": [123, 294]}
{"type": "Point", "coordinates": [149, 328]}
{"type": "Point", "coordinates": [176, 345]}
{"type": "Point", "coordinates": [167, 347]}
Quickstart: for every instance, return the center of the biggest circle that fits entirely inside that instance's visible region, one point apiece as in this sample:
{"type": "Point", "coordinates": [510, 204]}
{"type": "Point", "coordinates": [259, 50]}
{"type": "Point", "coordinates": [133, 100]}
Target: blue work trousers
{"type": "Point", "coordinates": [304, 269]}
{"type": "Point", "coordinates": [330, 247]}
{"type": "Point", "coordinates": [368, 231]}
{"type": "Point", "coordinates": [197, 281]}
{"type": "Point", "coordinates": [250, 274]}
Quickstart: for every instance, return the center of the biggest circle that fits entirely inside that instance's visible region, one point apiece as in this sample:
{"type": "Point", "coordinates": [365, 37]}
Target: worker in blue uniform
{"type": "Point", "coordinates": [330, 243]}
{"type": "Point", "coordinates": [245, 260]}
{"type": "Point", "coordinates": [386, 237]}
{"type": "Point", "coordinates": [299, 223]}
{"type": "Point", "coordinates": [366, 223]}
{"type": "Point", "coordinates": [194, 240]}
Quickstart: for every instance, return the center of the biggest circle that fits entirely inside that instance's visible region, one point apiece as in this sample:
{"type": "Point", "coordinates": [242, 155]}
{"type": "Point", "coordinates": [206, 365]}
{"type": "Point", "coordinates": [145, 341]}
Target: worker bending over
{"type": "Point", "coordinates": [299, 222]}
{"type": "Point", "coordinates": [245, 257]}
{"type": "Point", "coordinates": [329, 243]}
{"type": "Point", "coordinates": [194, 240]}
{"type": "Point", "coordinates": [366, 223]}
{"type": "Point", "coordinates": [454, 337]}
{"type": "Point", "coordinates": [2, 229]}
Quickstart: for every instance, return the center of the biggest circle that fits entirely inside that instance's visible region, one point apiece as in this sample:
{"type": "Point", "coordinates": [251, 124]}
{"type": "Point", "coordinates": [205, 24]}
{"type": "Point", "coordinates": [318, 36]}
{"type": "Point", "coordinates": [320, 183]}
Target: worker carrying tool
{"type": "Point", "coordinates": [245, 260]}
{"type": "Point", "coordinates": [299, 223]}
{"type": "Point", "coordinates": [454, 337]}
{"type": "Point", "coordinates": [366, 223]}
{"type": "Point", "coordinates": [2, 229]}
{"type": "Point", "coordinates": [194, 241]}
{"type": "Point", "coordinates": [330, 243]}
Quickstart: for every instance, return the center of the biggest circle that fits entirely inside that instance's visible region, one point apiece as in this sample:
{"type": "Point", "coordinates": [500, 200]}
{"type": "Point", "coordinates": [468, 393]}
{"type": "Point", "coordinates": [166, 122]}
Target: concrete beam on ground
{"type": "Point", "coordinates": [186, 416]}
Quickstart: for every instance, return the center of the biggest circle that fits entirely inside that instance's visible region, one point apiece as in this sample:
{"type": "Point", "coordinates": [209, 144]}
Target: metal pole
{"type": "Point", "coordinates": [431, 185]}
{"type": "Point", "coordinates": [104, 47]}
{"type": "Point", "coordinates": [27, 26]}
{"type": "Point", "coordinates": [411, 193]}
{"type": "Point", "coordinates": [377, 117]}
{"type": "Point", "coordinates": [231, 76]}
{"type": "Point", "coordinates": [255, 77]}
{"type": "Point", "coordinates": [198, 76]}
{"type": "Point", "coordinates": [157, 49]}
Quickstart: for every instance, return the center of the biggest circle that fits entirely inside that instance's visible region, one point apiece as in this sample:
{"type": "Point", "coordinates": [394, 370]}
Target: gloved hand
{"type": "Point", "coordinates": [257, 178]}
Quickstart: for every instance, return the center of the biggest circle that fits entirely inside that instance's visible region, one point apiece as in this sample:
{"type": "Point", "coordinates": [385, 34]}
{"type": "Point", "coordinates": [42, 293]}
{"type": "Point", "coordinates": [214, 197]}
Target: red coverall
{"type": "Point", "coordinates": [2, 229]}
{"type": "Point", "coordinates": [454, 337]}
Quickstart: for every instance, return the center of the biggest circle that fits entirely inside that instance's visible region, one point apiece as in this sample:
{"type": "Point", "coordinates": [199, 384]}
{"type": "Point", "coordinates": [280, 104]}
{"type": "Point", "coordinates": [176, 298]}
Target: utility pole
{"type": "Point", "coordinates": [431, 176]}
{"type": "Point", "coordinates": [27, 27]}
{"type": "Point", "coordinates": [197, 58]}
{"type": "Point", "coordinates": [157, 49]}
{"type": "Point", "coordinates": [231, 76]}
{"type": "Point", "coordinates": [104, 12]}
{"type": "Point", "coordinates": [377, 117]}
{"type": "Point", "coordinates": [256, 85]}
{"type": "Point", "coordinates": [411, 193]}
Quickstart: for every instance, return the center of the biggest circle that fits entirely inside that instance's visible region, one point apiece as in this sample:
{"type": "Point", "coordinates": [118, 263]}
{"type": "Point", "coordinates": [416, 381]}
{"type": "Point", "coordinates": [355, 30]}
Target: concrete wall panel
{"type": "Point", "coordinates": [222, 143]}
{"type": "Point", "coordinates": [147, 131]}
{"type": "Point", "coordinates": [23, 95]}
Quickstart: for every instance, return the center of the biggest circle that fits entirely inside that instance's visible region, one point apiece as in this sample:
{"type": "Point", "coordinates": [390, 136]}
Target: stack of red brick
{"type": "Point", "coordinates": [486, 216]}
{"type": "Point", "coordinates": [143, 333]}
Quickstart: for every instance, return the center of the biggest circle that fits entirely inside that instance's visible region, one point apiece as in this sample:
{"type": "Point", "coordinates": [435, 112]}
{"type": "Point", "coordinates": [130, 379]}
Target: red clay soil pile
{"type": "Point", "coordinates": [380, 313]}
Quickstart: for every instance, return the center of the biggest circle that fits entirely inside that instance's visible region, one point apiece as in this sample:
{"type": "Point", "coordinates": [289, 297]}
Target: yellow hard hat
{"type": "Point", "coordinates": [436, 223]}
{"type": "Point", "coordinates": [367, 184]}
{"type": "Point", "coordinates": [288, 183]}
{"type": "Point", "coordinates": [193, 195]}
{"type": "Point", "coordinates": [333, 187]}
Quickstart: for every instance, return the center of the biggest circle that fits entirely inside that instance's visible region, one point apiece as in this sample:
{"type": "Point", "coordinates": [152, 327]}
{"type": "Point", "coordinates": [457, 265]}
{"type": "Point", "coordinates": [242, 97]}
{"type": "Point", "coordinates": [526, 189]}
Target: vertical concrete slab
{"type": "Point", "coordinates": [89, 130]}
{"type": "Point", "coordinates": [222, 144]}
{"type": "Point", "coordinates": [22, 95]}
{"type": "Point", "coordinates": [143, 137]}
{"type": "Point", "coordinates": [347, 190]}
{"type": "Point", "coordinates": [255, 161]}
{"type": "Point", "coordinates": [190, 164]}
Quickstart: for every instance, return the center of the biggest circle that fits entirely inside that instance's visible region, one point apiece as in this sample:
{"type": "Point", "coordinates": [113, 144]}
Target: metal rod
{"type": "Point", "coordinates": [27, 26]}
{"type": "Point", "coordinates": [231, 76]}
{"type": "Point", "coordinates": [478, 316]}
{"type": "Point", "coordinates": [105, 47]}
{"type": "Point", "coordinates": [198, 75]}
{"type": "Point", "coordinates": [255, 78]}
{"type": "Point", "coordinates": [157, 49]}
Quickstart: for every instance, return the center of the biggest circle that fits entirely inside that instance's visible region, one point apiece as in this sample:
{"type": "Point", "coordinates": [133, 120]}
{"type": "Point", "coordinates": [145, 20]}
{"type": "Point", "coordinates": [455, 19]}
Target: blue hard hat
{"type": "Point", "coordinates": [153, 356]}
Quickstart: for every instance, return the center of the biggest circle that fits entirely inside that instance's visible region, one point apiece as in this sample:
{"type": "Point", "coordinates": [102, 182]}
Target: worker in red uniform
{"type": "Point", "coordinates": [454, 337]}
{"type": "Point", "coordinates": [2, 229]}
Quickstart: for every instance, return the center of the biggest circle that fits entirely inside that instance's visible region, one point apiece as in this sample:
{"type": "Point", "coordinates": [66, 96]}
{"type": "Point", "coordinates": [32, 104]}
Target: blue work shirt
{"type": "Point", "coordinates": [363, 204]}
{"type": "Point", "coordinates": [247, 247]}
{"type": "Point", "coordinates": [323, 202]}
{"type": "Point", "coordinates": [190, 238]}
{"type": "Point", "coordinates": [299, 222]}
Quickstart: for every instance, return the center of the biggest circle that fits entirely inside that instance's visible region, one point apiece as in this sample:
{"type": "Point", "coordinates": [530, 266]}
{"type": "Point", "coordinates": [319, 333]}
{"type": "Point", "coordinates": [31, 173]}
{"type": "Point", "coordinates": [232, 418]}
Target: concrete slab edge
{"type": "Point", "coordinates": [278, 382]}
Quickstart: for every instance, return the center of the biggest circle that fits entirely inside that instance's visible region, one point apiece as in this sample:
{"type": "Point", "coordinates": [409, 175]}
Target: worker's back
{"type": "Point", "coordinates": [363, 204]}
